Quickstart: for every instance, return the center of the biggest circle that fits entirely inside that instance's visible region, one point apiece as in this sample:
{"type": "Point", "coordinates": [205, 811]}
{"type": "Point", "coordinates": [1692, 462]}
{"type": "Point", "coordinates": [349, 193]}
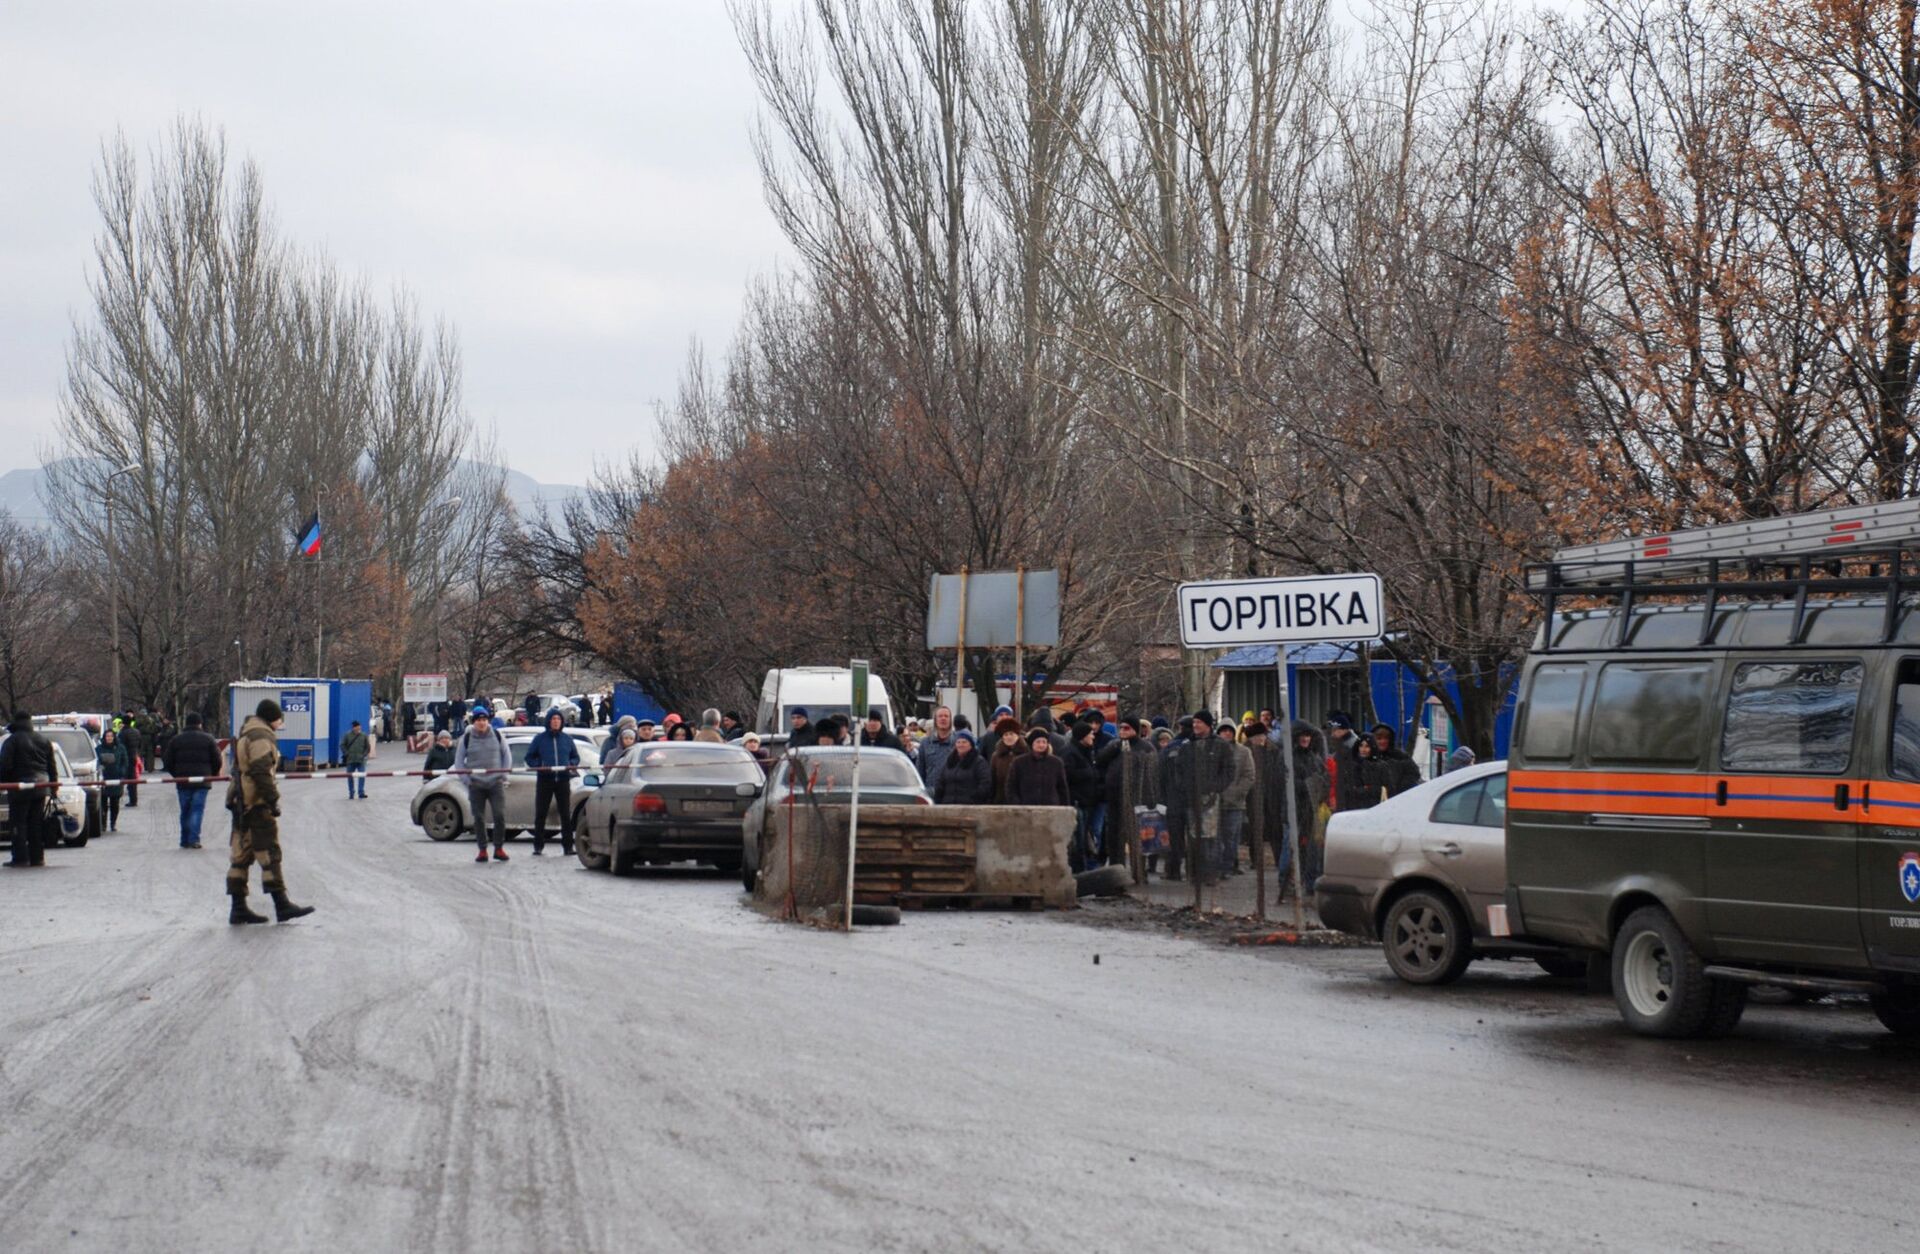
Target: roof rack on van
{"type": "Point", "coordinates": [1857, 550]}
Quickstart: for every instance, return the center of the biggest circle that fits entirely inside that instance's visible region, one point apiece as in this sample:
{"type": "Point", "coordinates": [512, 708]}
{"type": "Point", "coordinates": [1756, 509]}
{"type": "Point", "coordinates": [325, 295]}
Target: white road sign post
{"type": "Point", "coordinates": [1313, 609]}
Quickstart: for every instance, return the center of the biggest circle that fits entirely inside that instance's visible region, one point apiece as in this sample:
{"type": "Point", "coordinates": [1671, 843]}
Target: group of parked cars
{"type": "Point", "coordinates": [677, 801]}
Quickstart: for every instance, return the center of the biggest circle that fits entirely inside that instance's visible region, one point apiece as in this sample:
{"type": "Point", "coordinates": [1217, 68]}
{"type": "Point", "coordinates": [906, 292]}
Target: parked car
{"type": "Point", "coordinates": [83, 754]}
{"type": "Point", "coordinates": [74, 807]}
{"type": "Point", "coordinates": [441, 808]}
{"type": "Point", "coordinates": [1425, 874]}
{"type": "Point", "coordinates": [887, 777]}
{"type": "Point", "coordinates": [670, 802]}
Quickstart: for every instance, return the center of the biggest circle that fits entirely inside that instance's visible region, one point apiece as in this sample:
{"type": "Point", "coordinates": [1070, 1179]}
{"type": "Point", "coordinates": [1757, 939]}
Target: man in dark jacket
{"type": "Point", "coordinates": [551, 749]}
{"type": "Point", "coordinates": [354, 749]}
{"type": "Point", "coordinates": [440, 757]}
{"type": "Point", "coordinates": [1193, 776]}
{"type": "Point", "coordinates": [800, 732]}
{"type": "Point", "coordinates": [1395, 763]}
{"type": "Point", "coordinates": [192, 754]}
{"type": "Point", "coordinates": [964, 777]}
{"type": "Point", "coordinates": [26, 758]}
{"type": "Point", "coordinates": [1312, 788]}
{"type": "Point", "coordinates": [1038, 777]}
{"type": "Point", "coordinates": [874, 733]}
{"type": "Point", "coordinates": [135, 741]}
{"type": "Point", "coordinates": [1130, 778]}
{"type": "Point", "coordinates": [1089, 798]}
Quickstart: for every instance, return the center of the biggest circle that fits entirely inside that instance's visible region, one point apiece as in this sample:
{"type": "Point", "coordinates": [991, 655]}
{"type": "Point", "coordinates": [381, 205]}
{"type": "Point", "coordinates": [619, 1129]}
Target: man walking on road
{"type": "Point", "coordinates": [354, 750]}
{"type": "Point", "coordinates": [550, 750]}
{"type": "Point", "coordinates": [192, 753]}
{"type": "Point", "coordinates": [254, 798]}
{"type": "Point", "coordinates": [26, 758]}
{"type": "Point", "coordinates": [483, 749]}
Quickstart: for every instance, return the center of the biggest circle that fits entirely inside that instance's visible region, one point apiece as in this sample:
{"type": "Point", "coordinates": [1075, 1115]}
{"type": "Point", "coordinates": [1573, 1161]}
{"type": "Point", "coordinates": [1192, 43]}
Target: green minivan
{"type": "Point", "coordinates": [1721, 794]}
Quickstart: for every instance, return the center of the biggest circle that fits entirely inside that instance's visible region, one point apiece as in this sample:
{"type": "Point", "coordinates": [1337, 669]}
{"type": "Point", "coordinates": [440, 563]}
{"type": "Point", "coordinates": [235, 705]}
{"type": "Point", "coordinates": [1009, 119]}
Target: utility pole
{"type": "Point", "coordinates": [113, 582]}
{"type": "Point", "coordinates": [319, 495]}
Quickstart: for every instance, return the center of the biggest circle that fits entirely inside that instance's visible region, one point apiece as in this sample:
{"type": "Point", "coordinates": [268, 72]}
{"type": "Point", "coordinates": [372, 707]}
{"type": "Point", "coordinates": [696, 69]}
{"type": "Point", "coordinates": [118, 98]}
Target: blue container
{"type": "Point", "coordinates": [633, 699]}
{"type": "Point", "coordinates": [340, 702]}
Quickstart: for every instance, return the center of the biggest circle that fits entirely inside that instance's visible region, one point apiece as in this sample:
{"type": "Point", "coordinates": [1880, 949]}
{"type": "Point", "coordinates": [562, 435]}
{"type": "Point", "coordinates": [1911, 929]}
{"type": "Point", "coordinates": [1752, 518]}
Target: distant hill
{"type": "Point", "coordinates": [23, 494]}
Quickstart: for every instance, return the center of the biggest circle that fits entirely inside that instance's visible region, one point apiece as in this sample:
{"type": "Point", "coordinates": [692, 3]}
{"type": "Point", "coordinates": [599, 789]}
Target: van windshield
{"type": "Point", "coordinates": [817, 712]}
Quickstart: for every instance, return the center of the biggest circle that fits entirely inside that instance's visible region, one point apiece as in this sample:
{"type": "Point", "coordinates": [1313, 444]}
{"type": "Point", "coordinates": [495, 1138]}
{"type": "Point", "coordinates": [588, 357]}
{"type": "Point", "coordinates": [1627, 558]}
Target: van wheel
{"type": "Point", "coordinates": [1899, 1009]}
{"type": "Point", "coordinates": [1425, 938]}
{"type": "Point", "coordinates": [1659, 984]}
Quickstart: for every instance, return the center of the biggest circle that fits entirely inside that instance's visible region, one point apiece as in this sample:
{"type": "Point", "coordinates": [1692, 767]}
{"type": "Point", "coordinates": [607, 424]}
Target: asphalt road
{"type": "Point", "coordinates": [532, 1056]}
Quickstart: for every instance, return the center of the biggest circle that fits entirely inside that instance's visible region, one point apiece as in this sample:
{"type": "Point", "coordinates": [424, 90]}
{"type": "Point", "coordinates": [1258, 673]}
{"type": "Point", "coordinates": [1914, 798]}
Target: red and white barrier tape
{"type": "Point", "coordinates": [156, 780]}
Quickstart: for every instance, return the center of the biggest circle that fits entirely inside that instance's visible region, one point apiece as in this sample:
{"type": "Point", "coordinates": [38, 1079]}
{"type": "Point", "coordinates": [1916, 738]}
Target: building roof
{"type": "Point", "coordinates": [1261, 657]}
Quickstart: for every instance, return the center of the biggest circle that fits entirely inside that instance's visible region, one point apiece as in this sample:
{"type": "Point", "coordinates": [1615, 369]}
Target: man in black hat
{"type": "Point", "coordinates": [874, 733]}
{"type": "Point", "coordinates": [254, 799]}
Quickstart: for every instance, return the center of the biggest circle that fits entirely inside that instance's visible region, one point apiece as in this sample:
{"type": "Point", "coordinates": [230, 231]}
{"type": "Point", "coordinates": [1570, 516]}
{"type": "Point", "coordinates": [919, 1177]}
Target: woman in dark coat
{"type": "Point", "coordinates": [1362, 777]}
{"type": "Point", "coordinates": [116, 763]}
{"type": "Point", "coordinates": [1010, 749]}
{"type": "Point", "coordinates": [1038, 777]}
{"type": "Point", "coordinates": [965, 778]}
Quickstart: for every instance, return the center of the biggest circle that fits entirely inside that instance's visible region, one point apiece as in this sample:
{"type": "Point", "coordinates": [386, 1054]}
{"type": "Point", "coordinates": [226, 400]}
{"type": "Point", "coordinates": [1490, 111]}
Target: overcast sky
{"type": "Point", "coordinates": [570, 182]}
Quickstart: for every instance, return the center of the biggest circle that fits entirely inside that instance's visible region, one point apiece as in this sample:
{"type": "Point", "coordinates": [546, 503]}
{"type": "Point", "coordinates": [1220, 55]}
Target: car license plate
{"type": "Point", "coordinates": [707, 807]}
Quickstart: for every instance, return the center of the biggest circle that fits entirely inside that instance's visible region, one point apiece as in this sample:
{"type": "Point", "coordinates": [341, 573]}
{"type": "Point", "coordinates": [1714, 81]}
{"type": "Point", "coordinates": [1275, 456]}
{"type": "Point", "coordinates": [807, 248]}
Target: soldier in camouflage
{"type": "Point", "coordinates": [253, 797]}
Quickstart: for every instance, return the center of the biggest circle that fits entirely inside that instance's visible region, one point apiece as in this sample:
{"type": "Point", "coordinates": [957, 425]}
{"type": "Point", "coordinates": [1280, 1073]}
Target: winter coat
{"type": "Point", "coordinates": [115, 761]}
{"type": "Point", "coordinates": [1193, 774]}
{"type": "Point", "coordinates": [1002, 761]}
{"type": "Point", "coordinates": [1362, 781]}
{"type": "Point", "coordinates": [1400, 770]}
{"type": "Point", "coordinates": [964, 781]}
{"type": "Point", "coordinates": [553, 748]}
{"type": "Point", "coordinates": [1130, 777]}
{"type": "Point", "coordinates": [1083, 777]}
{"type": "Point", "coordinates": [1038, 779]}
{"type": "Point", "coordinates": [934, 753]}
{"type": "Point", "coordinates": [439, 758]}
{"type": "Point", "coordinates": [882, 739]}
{"type": "Point", "coordinates": [1239, 785]}
{"type": "Point", "coordinates": [710, 736]}
{"type": "Point", "coordinates": [354, 748]}
{"type": "Point", "coordinates": [192, 753]}
{"type": "Point", "coordinates": [27, 757]}
{"type": "Point", "coordinates": [1312, 782]}
{"type": "Point", "coordinates": [482, 753]}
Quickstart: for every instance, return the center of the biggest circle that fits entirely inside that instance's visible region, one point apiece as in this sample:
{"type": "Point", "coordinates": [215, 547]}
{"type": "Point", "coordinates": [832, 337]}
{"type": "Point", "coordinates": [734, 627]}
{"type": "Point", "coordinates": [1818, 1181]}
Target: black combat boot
{"type": "Point", "coordinates": [240, 913]}
{"type": "Point", "coordinates": [285, 909]}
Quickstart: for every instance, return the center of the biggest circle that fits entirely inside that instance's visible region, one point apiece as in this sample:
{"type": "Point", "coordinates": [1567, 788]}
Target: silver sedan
{"type": "Point", "coordinates": [441, 808]}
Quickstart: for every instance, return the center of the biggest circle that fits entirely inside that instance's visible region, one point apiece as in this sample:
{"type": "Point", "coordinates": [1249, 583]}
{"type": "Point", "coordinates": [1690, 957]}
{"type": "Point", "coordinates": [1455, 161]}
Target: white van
{"type": "Point", "coordinates": [820, 691]}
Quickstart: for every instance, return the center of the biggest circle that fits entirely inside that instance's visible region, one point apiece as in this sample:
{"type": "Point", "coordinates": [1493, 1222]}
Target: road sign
{"type": "Point", "coordinates": [1225, 612]}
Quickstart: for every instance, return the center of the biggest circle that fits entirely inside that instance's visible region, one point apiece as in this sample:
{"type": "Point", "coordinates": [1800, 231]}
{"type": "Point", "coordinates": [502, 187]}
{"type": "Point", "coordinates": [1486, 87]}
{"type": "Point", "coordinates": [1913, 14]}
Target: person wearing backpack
{"type": "Point", "coordinates": [482, 749]}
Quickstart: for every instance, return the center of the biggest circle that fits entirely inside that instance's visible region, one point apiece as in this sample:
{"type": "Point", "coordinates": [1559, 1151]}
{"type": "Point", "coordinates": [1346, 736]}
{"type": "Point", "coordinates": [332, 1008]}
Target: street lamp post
{"type": "Point", "coordinates": [113, 581]}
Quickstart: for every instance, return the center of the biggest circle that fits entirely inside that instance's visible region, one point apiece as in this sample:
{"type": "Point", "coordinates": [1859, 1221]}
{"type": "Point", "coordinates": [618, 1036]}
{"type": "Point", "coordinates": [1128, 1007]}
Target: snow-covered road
{"type": "Point", "coordinates": [532, 1056]}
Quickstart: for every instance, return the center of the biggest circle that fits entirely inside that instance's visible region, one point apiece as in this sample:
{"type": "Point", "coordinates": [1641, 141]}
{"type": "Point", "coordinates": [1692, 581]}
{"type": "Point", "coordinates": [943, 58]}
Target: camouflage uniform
{"type": "Point", "coordinates": [253, 797]}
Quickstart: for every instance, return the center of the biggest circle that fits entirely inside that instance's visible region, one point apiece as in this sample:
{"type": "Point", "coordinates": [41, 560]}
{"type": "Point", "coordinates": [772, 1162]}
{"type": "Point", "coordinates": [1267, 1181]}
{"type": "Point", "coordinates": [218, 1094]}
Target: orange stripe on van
{"type": "Point", "coordinates": [1696, 794]}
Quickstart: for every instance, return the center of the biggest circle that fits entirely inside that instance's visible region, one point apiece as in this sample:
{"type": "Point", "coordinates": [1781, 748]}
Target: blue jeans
{"type": "Point", "coordinates": [193, 806]}
{"type": "Point", "coordinates": [359, 769]}
{"type": "Point", "coordinates": [1089, 835]}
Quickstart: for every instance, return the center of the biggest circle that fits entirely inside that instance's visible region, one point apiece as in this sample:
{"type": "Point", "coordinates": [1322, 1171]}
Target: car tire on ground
{"type": "Point", "coordinates": [583, 849]}
{"type": "Point", "coordinates": [1104, 881]}
{"type": "Point", "coordinates": [1899, 1009]}
{"type": "Point", "coordinates": [619, 863]}
{"type": "Point", "coordinates": [1425, 938]}
{"type": "Point", "coordinates": [440, 818]}
{"type": "Point", "coordinates": [1660, 984]}
{"type": "Point", "coordinates": [875, 916]}
{"type": "Point", "coordinates": [1567, 968]}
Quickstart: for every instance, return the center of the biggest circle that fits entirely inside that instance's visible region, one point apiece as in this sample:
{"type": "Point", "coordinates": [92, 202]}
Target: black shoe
{"type": "Point", "coordinates": [536, 851]}
{"type": "Point", "coordinates": [241, 914]}
{"type": "Point", "coordinates": [566, 849]}
{"type": "Point", "coordinates": [284, 909]}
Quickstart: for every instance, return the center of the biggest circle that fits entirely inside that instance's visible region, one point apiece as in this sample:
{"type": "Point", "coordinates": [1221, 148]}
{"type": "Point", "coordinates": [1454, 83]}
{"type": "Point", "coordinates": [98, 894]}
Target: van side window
{"type": "Point", "coordinates": [1791, 716]}
{"type": "Point", "coordinates": [1553, 707]}
{"type": "Point", "coordinates": [1461, 805]}
{"type": "Point", "coordinates": [1905, 747]}
{"type": "Point", "coordinates": [1649, 714]}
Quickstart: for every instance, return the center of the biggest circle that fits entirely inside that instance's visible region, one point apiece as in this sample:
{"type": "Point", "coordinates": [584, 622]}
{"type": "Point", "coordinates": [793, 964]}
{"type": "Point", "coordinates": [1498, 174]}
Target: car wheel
{"type": "Point", "coordinates": [1660, 983]}
{"type": "Point", "coordinates": [583, 845]}
{"type": "Point", "coordinates": [1564, 968]}
{"type": "Point", "coordinates": [1899, 1009]}
{"type": "Point", "coordinates": [440, 818]}
{"type": "Point", "coordinates": [1425, 938]}
{"type": "Point", "coordinates": [617, 862]}
{"type": "Point", "coordinates": [1104, 881]}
